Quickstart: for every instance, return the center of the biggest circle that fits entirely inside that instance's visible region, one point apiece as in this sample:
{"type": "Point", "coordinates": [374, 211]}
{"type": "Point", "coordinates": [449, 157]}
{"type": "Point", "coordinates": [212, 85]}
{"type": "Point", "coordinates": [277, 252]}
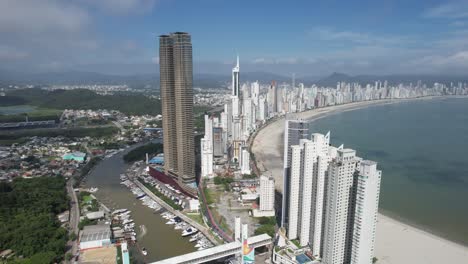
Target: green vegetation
{"type": "Point", "coordinates": [140, 152]}
{"type": "Point", "coordinates": [249, 176]}
{"type": "Point", "coordinates": [131, 104]}
{"type": "Point", "coordinates": [39, 114]}
{"type": "Point", "coordinates": [73, 236]}
{"type": "Point", "coordinates": [201, 109]}
{"type": "Point", "coordinates": [196, 217]}
{"type": "Point", "coordinates": [374, 260]}
{"type": "Point", "coordinates": [161, 196]}
{"type": "Point", "coordinates": [86, 169]}
{"type": "Point", "coordinates": [119, 259]}
{"type": "Point", "coordinates": [265, 229]}
{"type": "Point", "coordinates": [208, 196]}
{"type": "Point", "coordinates": [28, 218]}
{"type": "Point", "coordinates": [55, 132]}
{"type": "Point", "coordinates": [9, 142]}
{"type": "Point", "coordinates": [225, 181]}
{"type": "Point", "coordinates": [11, 100]}
{"type": "Point", "coordinates": [267, 221]}
{"type": "Point", "coordinates": [86, 222]}
{"type": "Point", "coordinates": [296, 242]}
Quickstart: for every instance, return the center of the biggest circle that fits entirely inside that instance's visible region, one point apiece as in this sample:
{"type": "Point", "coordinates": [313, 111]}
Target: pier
{"type": "Point", "coordinates": [202, 229]}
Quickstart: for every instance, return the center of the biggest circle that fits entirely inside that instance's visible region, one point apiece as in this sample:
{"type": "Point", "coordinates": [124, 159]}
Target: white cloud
{"type": "Point", "coordinates": [155, 60]}
{"type": "Point", "coordinates": [11, 53]}
{"type": "Point", "coordinates": [454, 10]}
{"type": "Point", "coordinates": [357, 38]}
{"type": "Point", "coordinates": [122, 7]}
{"type": "Point", "coordinates": [286, 60]}
{"type": "Point", "coordinates": [38, 17]}
{"type": "Point", "coordinates": [459, 23]}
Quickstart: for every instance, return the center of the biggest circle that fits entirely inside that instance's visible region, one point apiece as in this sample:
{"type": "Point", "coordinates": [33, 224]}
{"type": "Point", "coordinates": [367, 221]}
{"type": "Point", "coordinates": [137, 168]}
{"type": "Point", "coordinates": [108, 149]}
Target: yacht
{"type": "Point", "coordinates": [144, 252]}
{"type": "Point", "coordinates": [193, 238]}
{"type": "Point", "coordinates": [189, 231]}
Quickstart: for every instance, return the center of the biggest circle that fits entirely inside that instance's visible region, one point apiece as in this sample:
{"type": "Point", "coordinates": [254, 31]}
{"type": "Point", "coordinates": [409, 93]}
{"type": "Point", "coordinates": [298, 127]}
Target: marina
{"type": "Point", "coordinates": [149, 227]}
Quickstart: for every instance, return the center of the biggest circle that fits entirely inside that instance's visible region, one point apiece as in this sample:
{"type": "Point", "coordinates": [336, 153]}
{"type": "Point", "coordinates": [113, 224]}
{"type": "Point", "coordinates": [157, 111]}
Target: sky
{"type": "Point", "coordinates": [309, 38]}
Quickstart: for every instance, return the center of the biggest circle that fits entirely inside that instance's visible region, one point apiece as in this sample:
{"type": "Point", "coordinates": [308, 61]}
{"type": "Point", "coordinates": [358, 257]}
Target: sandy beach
{"type": "Point", "coordinates": [396, 242]}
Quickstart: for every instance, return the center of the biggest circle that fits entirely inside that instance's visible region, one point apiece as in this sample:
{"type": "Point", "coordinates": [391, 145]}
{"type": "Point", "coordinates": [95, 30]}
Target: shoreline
{"type": "Point", "coordinates": [398, 240]}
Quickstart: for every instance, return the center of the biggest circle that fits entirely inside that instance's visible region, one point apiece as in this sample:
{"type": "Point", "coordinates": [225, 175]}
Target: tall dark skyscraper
{"type": "Point", "coordinates": [176, 77]}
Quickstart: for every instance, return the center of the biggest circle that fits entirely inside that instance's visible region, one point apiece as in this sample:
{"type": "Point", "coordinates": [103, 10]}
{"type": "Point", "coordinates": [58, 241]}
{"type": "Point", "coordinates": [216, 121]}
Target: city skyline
{"type": "Point", "coordinates": [312, 39]}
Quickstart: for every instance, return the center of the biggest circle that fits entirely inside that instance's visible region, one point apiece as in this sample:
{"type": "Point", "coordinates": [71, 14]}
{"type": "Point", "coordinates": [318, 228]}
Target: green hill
{"type": "Point", "coordinates": [132, 104]}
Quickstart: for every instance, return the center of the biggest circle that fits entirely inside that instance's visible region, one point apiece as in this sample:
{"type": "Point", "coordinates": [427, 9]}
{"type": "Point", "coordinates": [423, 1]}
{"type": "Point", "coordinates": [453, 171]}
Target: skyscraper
{"type": "Point", "coordinates": [339, 211]}
{"type": "Point", "coordinates": [294, 131]}
{"type": "Point", "coordinates": [206, 148]}
{"type": "Point", "coordinates": [176, 77]}
{"type": "Point", "coordinates": [309, 163]}
{"type": "Point", "coordinates": [235, 79]}
{"type": "Point", "coordinates": [365, 216]}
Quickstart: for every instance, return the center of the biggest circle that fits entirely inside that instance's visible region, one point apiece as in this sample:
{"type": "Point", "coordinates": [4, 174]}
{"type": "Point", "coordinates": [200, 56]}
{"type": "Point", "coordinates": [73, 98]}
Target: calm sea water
{"type": "Point", "coordinates": [422, 149]}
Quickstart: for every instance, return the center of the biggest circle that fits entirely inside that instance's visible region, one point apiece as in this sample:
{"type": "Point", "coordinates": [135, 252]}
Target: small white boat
{"type": "Point", "coordinates": [189, 231]}
{"type": "Point", "coordinates": [144, 252]}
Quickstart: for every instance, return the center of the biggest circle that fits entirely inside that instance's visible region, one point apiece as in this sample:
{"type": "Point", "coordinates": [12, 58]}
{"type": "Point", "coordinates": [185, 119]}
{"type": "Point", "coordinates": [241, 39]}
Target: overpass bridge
{"type": "Point", "coordinates": [217, 252]}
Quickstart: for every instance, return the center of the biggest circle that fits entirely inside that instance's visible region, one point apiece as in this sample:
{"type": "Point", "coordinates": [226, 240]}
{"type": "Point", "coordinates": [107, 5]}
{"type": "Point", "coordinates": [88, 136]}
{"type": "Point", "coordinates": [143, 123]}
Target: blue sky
{"type": "Point", "coordinates": [312, 38]}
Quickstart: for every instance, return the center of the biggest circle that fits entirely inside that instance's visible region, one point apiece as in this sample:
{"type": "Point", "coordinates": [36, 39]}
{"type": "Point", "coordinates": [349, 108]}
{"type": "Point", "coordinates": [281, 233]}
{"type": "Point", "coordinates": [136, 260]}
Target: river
{"type": "Point", "coordinates": [161, 240]}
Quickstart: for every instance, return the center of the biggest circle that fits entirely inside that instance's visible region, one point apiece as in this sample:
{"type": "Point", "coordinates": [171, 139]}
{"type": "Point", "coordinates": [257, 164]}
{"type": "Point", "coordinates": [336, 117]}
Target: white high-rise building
{"type": "Point", "coordinates": [267, 193]}
{"type": "Point", "coordinates": [209, 130]}
{"type": "Point", "coordinates": [336, 244]}
{"type": "Point", "coordinates": [261, 109]}
{"type": "Point", "coordinates": [322, 145]}
{"type": "Point", "coordinates": [293, 192]}
{"type": "Point", "coordinates": [206, 149]}
{"type": "Point", "coordinates": [365, 216]}
{"type": "Point", "coordinates": [235, 79]}
{"type": "Point", "coordinates": [255, 92]}
{"type": "Point", "coordinates": [244, 161]}
{"type": "Point", "coordinates": [308, 167]}
{"type": "Point", "coordinates": [206, 159]}
{"type": "Point", "coordinates": [294, 131]}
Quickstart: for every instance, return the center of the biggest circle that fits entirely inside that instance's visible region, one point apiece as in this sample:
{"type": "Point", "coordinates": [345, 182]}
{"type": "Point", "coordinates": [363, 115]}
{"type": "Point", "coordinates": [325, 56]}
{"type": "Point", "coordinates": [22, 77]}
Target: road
{"type": "Point", "coordinates": [74, 216]}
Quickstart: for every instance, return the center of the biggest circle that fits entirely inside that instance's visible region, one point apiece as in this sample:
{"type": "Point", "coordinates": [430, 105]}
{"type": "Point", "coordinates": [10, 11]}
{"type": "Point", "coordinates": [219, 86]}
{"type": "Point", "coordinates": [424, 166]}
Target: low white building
{"type": "Point", "coordinates": [194, 205]}
{"type": "Point", "coordinates": [267, 197]}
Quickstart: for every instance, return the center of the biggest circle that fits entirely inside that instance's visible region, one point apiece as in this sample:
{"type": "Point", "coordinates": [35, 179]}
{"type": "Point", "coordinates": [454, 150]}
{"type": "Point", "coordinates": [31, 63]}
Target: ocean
{"type": "Point", "coordinates": [421, 146]}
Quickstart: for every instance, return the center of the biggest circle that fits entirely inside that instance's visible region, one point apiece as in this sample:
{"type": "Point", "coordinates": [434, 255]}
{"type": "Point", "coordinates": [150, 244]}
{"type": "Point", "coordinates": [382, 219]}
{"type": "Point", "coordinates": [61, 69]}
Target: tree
{"type": "Point", "coordinates": [28, 218]}
{"type": "Point", "coordinates": [265, 229]}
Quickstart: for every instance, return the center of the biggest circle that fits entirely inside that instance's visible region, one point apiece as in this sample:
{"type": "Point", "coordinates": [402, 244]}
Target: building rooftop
{"type": "Point", "coordinates": [95, 232]}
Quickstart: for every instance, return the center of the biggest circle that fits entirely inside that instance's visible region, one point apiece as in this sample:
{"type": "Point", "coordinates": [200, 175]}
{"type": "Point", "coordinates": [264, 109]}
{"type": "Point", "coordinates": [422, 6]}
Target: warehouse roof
{"type": "Point", "coordinates": [95, 233]}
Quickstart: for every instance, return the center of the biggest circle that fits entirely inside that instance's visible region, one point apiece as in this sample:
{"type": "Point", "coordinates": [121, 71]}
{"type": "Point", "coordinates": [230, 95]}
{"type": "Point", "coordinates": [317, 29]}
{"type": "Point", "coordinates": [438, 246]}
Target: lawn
{"type": "Point", "coordinates": [196, 217]}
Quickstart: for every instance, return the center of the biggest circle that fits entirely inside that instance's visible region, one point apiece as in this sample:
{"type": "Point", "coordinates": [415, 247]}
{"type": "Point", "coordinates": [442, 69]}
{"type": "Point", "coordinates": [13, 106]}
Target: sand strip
{"type": "Point", "coordinates": [396, 242]}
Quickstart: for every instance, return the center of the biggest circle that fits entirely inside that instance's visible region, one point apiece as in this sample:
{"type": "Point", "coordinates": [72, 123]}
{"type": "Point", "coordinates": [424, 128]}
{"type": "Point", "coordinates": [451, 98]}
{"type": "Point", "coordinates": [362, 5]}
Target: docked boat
{"type": "Point", "coordinates": [144, 252]}
{"type": "Point", "coordinates": [189, 231]}
{"type": "Point", "coordinates": [193, 238]}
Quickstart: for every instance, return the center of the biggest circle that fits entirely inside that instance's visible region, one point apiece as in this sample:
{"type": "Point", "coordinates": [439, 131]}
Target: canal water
{"type": "Point", "coordinates": [160, 240]}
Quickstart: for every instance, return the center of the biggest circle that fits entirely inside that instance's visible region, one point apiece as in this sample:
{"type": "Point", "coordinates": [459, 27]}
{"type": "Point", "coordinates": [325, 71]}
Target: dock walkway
{"type": "Point", "coordinates": [184, 217]}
